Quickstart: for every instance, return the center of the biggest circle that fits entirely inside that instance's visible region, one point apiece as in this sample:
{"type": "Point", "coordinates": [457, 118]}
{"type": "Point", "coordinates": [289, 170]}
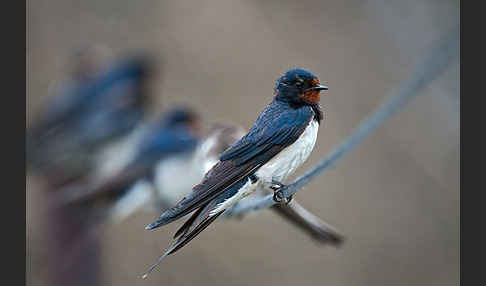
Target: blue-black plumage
{"type": "Point", "coordinates": [280, 140]}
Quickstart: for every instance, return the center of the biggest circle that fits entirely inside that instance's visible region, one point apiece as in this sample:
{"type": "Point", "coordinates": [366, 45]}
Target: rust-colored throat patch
{"type": "Point", "coordinates": [313, 96]}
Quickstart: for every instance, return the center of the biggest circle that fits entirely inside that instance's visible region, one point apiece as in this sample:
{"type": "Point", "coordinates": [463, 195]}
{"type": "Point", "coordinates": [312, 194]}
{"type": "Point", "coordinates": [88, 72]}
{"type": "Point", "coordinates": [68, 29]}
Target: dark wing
{"type": "Point", "coordinates": [277, 127]}
{"type": "Point", "coordinates": [199, 221]}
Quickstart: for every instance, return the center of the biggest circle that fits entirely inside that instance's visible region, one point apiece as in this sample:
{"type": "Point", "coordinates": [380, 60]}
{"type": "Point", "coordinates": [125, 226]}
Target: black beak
{"type": "Point", "coordinates": [318, 87]}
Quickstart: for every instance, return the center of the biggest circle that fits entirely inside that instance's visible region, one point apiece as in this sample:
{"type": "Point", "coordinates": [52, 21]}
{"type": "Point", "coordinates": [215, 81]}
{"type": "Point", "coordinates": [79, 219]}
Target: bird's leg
{"type": "Point", "coordinates": [278, 195]}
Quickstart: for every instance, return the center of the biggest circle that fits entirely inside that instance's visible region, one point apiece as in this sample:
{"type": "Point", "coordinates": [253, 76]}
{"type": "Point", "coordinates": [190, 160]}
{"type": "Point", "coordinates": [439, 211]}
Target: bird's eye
{"type": "Point", "coordinates": [298, 84]}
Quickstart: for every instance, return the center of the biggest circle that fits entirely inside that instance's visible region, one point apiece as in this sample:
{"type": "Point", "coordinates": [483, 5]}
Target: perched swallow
{"type": "Point", "coordinates": [115, 93]}
{"type": "Point", "coordinates": [173, 165]}
{"type": "Point", "coordinates": [98, 102]}
{"type": "Point", "coordinates": [281, 139]}
{"type": "Point", "coordinates": [93, 110]}
{"type": "Point", "coordinates": [174, 135]}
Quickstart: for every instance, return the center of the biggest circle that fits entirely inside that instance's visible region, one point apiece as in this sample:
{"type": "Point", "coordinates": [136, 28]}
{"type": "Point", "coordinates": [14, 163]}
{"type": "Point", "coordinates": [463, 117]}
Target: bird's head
{"type": "Point", "coordinates": [299, 87]}
{"type": "Point", "coordinates": [183, 117]}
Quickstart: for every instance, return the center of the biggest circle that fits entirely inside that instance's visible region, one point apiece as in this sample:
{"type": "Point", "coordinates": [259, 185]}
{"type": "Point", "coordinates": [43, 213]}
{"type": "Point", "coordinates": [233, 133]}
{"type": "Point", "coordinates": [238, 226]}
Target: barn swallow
{"type": "Point", "coordinates": [116, 93]}
{"type": "Point", "coordinates": [97, 102]}
{"type": "Point", "coordinates": [174, 135]}
{"type": "Point", "coordinates": [280, 140]}
{"type": "Point", "coordinates": [171, 162]}
{"type": "Point", "coordinates": [98, 106]}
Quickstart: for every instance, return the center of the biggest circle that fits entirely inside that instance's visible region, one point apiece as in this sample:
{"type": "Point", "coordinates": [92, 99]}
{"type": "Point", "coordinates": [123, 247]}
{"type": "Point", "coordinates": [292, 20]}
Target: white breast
{"type": "Point", "coordinates": [290, 158]}
{"type": "Point", "coordinates": [279, 167]}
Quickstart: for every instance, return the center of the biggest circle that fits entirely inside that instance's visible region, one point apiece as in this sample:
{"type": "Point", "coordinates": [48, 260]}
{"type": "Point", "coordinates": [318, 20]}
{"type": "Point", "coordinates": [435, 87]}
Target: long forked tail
{"type": "Point", "coordinates": [145, 275]}
{"type": "Point", "coordinates": [189, 230]}
{"type": "Point", "coordinates": [311, 224]}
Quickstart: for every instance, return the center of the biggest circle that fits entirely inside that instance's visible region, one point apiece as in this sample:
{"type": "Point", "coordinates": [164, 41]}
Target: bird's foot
{"type": "Point", "coordinates": [278, 193]}
{"type": "Point", "coordinates": [253, 178]}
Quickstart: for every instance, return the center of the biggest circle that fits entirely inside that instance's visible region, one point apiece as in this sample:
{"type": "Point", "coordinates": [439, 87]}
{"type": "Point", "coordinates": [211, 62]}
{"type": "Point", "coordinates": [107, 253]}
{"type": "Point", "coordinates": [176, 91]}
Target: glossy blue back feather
{"type": "Point", "coordinates": [279, 124]}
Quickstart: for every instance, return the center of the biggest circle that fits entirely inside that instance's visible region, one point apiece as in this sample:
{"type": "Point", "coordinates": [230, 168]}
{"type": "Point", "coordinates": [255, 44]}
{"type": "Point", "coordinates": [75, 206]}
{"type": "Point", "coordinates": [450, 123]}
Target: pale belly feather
{"type": "Point", "coordinates": [290, 158]}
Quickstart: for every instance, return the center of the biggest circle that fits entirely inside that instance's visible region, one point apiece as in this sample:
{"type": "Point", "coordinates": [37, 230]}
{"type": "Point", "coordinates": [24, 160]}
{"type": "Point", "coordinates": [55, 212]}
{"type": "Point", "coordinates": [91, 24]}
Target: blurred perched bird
{"type": "Point", "coordinates": [173, 175]}
{"type": "Point", "coordinates": [278, 143]}
{"type": "Point", "coordinates": [173, 137]}
{"type": "Point", "coordinates": [96, 103]}
{"type": "Point", "coordinates": [98, 106]}
{"type": "Point", "coordinates": [173, 178]}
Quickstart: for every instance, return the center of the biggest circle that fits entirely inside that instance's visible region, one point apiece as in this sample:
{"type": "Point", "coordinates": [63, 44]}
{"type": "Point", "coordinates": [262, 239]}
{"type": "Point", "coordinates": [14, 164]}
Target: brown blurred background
{"type": "Point", "coordinates": [395, 197]}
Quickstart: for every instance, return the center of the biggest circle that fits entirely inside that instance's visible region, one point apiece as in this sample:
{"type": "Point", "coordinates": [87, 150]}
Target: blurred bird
{"type": "Point", "coordinates": [98, 106]}
{"type": "Point", "coordinates": [170, 140]}
{"type": "Point", "coordinates": [281, 139]}
{"type": "Point", "coordinates": [97, 103]}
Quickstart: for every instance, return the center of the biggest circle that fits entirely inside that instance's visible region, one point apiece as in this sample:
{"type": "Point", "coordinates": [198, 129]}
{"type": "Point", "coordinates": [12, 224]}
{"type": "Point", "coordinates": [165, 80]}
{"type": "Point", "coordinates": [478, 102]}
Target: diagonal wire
{"type": "Point", "coordinates": [439, 57]}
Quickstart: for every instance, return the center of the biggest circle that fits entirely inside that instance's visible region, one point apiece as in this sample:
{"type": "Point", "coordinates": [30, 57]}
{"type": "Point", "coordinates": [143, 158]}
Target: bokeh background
{"type": "Point", "coordinates": [395, 197]}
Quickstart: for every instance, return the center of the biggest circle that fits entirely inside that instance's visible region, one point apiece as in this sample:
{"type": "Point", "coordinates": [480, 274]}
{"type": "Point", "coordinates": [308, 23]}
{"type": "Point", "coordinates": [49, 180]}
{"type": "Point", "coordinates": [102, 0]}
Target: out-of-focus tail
{"type": "Point", "coordinates": [311, 224]}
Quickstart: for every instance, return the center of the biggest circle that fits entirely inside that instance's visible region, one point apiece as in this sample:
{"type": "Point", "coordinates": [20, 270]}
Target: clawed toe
{"type": "Point", "coordinates": [278, 192]}
{"type": "Point", "coordinates": [278, 196]}
{"type": "Point", "coordinates": [289, 199]}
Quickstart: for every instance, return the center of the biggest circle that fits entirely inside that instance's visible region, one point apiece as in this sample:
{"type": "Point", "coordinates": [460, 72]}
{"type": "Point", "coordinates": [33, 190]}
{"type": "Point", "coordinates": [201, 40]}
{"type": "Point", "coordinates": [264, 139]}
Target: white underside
{"type": "Point", "coordinates": [116, 156]}
{"type": "Point", "coordinates": [136, 197]}
{"type": "Point", "coordinates": [279, 167]}
{"type": "Point", "coordinates": [176, 176]}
